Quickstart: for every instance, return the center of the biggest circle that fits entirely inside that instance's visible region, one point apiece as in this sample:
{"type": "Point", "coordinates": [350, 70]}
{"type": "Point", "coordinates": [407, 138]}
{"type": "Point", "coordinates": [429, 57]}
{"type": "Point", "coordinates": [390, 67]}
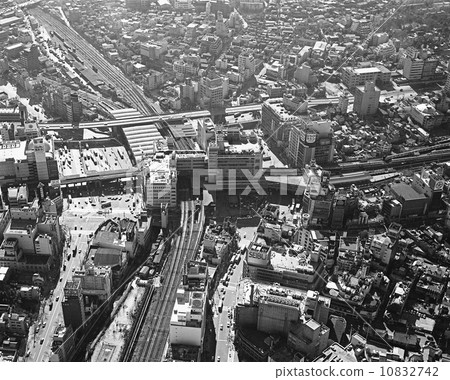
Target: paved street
{"type": "Point", "coordinates": [223, 321]}
{"type": "Point", "coordinates": [80, 219]}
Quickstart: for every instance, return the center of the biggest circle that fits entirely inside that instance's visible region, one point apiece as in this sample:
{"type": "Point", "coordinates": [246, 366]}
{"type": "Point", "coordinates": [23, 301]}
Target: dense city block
{"type": "Point", "coordinates": [224, 181]}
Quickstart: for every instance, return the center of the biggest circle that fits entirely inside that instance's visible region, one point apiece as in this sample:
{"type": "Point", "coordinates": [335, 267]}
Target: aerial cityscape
{"type": "Point", "coordinates": [225, 181]}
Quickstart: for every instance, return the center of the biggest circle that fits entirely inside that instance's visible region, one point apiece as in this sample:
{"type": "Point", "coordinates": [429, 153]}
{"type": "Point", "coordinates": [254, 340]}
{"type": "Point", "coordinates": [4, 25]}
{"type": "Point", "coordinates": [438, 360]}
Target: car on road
{"type": "Point", "coordinates": [218, 358]}
{"type": "Point", "coordinates": [221, 326]}
{"type": "Point", "coordinates": [228, 325]}
{"type": "Point", "coordinates": [57, 299]}
{"type": "Point", "coordinates": [60, 279]}
{"type": "Point", "coordinates": [42, 341]}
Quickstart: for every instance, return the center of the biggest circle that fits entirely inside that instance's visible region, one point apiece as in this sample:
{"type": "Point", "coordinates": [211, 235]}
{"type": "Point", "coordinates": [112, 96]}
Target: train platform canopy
{"type": "Point", "coordinates": [125, 113]}
{"type": "Point", "coordinates": [141, 138]}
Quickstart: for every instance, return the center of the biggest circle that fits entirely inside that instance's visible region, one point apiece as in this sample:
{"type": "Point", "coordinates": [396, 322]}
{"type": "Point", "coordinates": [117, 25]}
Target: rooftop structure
{"type": "Point", "coordinates": [187, 323]}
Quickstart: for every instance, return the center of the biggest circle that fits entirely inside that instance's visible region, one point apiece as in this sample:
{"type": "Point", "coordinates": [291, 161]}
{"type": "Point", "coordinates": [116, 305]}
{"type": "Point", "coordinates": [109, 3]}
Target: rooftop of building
{"type": "Point", "coordinates": [337, 353]}
{"type": "Point", "coordinates": [349, 244]}
{"type": "Point", "coordinates": [274, 293]}
{"type": "Point", "coordinates": [188, 308]}
{"type": "Point", "coordinates": [426, 109]}
{"type": "Point", "coordinates": [293, 261]}
{"type": "Point", "coordinates": [13, 150]}
{"type": "Point", "coordinates": [85, 159]}
{"type": "Point", "coordinates": [276, 104]}
{"type": "Point", "coordinates": [21, 224]}
{"type": "Point", "coordinates": [107, 257]}
{"type": "Point", "coordinates": [406, 191]}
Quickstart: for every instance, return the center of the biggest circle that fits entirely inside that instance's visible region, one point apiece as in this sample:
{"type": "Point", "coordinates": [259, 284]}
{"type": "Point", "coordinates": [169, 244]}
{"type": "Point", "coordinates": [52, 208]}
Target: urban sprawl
{"type": "Point", "coordinates": [225, 181]}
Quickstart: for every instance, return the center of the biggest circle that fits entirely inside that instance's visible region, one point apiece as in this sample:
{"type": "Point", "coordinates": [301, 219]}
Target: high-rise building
{"type": "Point", "coordinates": [233, 159]}
{"type": "Point", "coordinates": [160, 182]}
{"type": "Point", "coordinates": [431, 184]}
{"type": "Point", "coordinates": [367, 98]}
{"type": "Point", "coordinates": [343, 103]}
{"type": "Point", "coordinates": [277, 120]}
{"type": "Point", "coordinates": [38, 148]}
{"type": "Point", "coordinates": [353, 77]}
{"type": "Point", "coordinates": [418, 66]}
{"type": "Point", "coordinates": [213, 90]}
{"type": "Point", "coordinates": [30, 58]}
{"type": "Point", "coordinates": [311, 140]}
{"type": "Point", "coordinates": [338, 216]}
{"type": "Point", "coordinates": [74, 109]}
{"type": "Point", "coordinates": [73, 305]}
{"type": "Point", "coordinates": [222, 29]}
{"type": "Point", "coordinates": [246, 64]}
{"type": "Point", "coordinates": [187, 91]}
{"type": "Point", "coordinates": [318, 196]}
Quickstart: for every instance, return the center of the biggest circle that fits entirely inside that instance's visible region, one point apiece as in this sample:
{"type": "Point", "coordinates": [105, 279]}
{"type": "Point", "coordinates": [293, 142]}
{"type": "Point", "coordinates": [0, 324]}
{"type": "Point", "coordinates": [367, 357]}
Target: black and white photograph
{"type": "Point", "coordinates": [225, 181]}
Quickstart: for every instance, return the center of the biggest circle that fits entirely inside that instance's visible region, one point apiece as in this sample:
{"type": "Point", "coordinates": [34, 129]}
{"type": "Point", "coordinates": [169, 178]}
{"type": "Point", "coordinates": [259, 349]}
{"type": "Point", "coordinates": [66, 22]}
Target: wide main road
{"type": "Point", "coordinates": [153, 338]}
{"type": "Point", "coordinates": [84, 50]}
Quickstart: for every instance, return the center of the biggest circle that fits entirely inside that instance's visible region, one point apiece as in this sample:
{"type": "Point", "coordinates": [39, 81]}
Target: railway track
{"type": "Point", "coordinates": [153, 338]}
{"type": "Point", "coordinates": [110, 73]}
{"type": "Point", "coordinates": [154, 334]}
{"type": "Point", "coordinates": [137, 326]}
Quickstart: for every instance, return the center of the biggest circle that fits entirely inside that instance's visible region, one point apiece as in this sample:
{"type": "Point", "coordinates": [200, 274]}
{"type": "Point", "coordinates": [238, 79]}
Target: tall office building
{"type": "Point", "coordinates": [318, 196]}
{"type": "Point", "coordinates": [232, 158]}
{"type": "Point", "coordinates": [160, 186]}
{"type": "Point", "coordinates": [246, 64]}
{"type": "Point", "coordinates": [73, 305]}
{"type": "Point", "coordinates": [30, 58]}
{"type": "Point", "coordinates": [367, 98]}
{"type": "Point", "coordinates": [213, 90]}
{"type": "Point", "coordinates": [418, 66]}
{"type": "Point", "coordinates": [38, 149]}
{"type": "Point", "coordinates": [74, 109]}
{"type": "Point", "coordinates": [277, 120]}
{"type": "Point", "coordinates": [311, 140]}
